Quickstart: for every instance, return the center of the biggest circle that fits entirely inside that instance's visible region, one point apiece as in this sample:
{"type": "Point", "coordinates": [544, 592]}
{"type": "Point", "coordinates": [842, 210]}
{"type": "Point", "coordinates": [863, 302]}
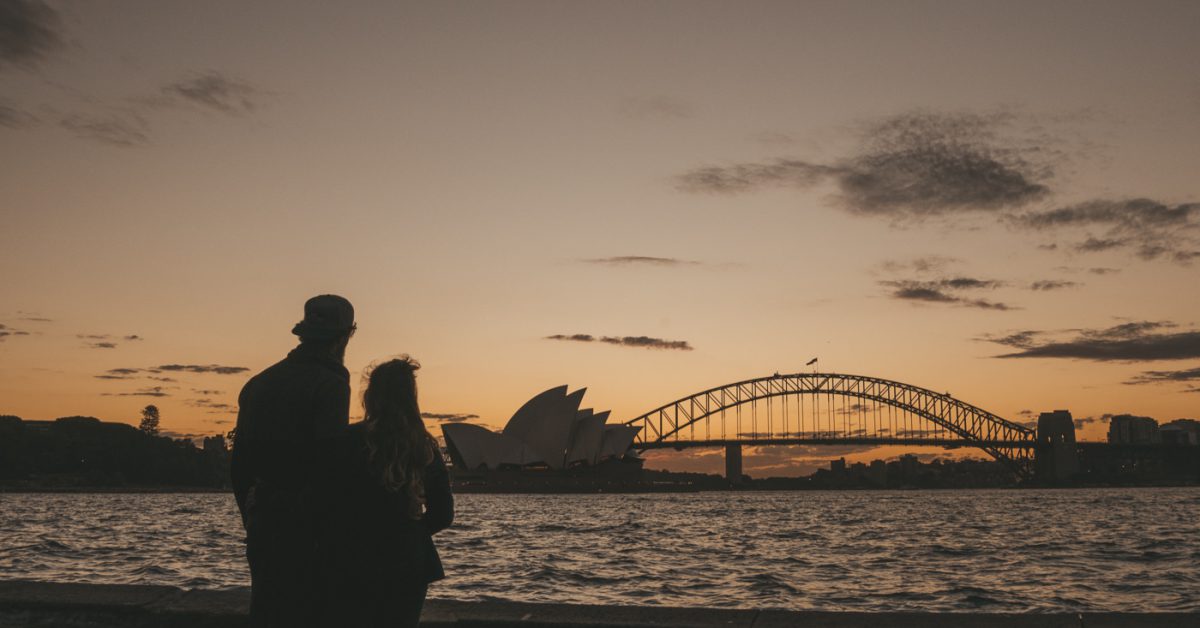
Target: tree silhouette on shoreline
{"type": "Point", "coordinates": [149, 424]}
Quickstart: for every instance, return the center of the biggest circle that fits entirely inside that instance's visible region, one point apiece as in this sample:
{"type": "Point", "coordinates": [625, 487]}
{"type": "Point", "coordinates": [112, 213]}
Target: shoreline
{"type": "Point", "coordinates": [478, 490]}
{"type": "Point", "coordinates": [28, 602]}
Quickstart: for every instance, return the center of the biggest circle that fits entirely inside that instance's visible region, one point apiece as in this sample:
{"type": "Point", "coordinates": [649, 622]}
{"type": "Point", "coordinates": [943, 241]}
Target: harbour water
{"type": "Point", "coordinates": [996, 551]}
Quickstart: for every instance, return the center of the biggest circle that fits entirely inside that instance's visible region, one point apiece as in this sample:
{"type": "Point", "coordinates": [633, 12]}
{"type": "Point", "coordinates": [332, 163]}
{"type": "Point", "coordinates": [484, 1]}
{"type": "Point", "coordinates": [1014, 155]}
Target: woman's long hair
{"type": "Point", "coordinates": [398, 445]}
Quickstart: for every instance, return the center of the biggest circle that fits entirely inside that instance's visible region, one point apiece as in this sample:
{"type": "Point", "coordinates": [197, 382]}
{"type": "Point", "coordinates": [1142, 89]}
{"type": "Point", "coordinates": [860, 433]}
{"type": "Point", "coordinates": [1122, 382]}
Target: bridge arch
{"type": "Point", "coordinates": [955, 422]}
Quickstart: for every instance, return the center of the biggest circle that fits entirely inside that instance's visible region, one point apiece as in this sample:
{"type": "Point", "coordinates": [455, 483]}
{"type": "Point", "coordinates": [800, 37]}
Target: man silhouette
{"type": "Point", "coordinates": [289, 417]}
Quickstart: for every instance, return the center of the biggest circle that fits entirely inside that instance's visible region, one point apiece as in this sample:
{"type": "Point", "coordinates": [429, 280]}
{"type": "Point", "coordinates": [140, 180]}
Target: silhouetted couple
{"type": "Point", "coordinates": [339, 518]}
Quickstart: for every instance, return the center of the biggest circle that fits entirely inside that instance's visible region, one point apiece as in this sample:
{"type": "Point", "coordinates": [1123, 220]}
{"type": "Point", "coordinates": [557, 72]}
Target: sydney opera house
{"type": "Point", "coordinates": [548, 433]}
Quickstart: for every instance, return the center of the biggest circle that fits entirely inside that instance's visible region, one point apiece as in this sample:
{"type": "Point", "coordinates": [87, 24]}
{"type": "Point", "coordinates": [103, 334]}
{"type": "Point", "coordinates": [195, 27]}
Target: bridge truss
{"type": "Point", "coordinates": [832, 408]}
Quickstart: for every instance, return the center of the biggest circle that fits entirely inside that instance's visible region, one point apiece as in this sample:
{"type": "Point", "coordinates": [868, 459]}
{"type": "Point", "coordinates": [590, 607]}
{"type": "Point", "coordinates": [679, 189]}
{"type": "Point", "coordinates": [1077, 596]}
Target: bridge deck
{"type": "Point", "coordinates": [949, 443]}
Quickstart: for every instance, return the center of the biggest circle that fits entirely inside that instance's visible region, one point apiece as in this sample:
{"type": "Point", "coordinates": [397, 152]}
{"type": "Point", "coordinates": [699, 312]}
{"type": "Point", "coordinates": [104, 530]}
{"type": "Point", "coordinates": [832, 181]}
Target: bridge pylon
{"type": "Point", "coordinates": [1056, 457]}
{"type": "Point", "coordinates": [733, 463]}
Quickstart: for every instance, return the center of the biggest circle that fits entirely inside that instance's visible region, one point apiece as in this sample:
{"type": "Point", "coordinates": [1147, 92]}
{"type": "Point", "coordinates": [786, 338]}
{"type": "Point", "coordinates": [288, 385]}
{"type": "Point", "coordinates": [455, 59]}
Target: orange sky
{"type": "Point", "coordinates": [899, 189]}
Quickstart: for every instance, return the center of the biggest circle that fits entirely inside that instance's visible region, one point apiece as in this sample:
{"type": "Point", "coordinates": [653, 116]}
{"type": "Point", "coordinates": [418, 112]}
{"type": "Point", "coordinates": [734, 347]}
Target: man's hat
{"type": "Point", "coordinates": [326, 316]}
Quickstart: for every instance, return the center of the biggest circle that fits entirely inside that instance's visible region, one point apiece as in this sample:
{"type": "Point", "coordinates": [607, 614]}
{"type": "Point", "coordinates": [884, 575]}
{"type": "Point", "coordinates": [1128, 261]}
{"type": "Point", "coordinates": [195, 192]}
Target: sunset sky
{"type": "Point", "coordinates": [996, 199]}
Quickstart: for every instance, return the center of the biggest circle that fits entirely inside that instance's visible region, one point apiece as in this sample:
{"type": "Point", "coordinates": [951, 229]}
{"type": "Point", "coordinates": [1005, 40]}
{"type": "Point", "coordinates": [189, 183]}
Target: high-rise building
{"type": "Point", "coordinates": [1126, 429]}
{"type": "Point", "coordinates": [1181, 432]}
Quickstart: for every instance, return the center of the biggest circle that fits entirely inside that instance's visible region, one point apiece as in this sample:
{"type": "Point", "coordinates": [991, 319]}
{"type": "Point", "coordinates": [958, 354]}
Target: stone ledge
{"type": "Point", "coordinates": [37, 604]}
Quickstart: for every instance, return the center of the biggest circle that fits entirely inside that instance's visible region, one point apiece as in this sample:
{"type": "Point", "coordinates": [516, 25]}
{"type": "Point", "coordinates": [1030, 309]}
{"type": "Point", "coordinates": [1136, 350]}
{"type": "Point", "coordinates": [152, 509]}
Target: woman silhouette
{"type": "Point", "coordinates": [395, 495]}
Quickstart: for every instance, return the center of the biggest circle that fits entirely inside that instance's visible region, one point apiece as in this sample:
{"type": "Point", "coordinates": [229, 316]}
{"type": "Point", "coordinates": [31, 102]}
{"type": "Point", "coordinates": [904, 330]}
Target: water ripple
{"type": "Point", "coordinates": [1003, 551]}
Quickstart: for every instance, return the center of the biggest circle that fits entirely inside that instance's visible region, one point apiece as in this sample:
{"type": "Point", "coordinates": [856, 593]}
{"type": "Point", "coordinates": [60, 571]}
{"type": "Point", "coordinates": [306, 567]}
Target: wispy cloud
{"type": "Point", "coordinates": [12, 117]}
{"type": "Point", "coordinates": [7, 332]}
{"type": "Point", "coordinates": [920, 265]}
{"type": "Point", "coordinates": [448, 417]}
{"type": "Point", "coordinates": [105, 341]}
{"type": "Point", "coordinates": [156, 373]}
{"type": "Point", "coordinates": [125, 129]}
{"type": "Point", "coordinates": [639, 260]}
{"type": "Point", "coordinates": [947, 291]}
{"type": "Point", "coordinates": [30, 30]}
{"type": "Point", "coordinates": [155, 391]}
{"type": "Point", "coordinates": [1082, 422]}
{"type": "Point", "coordinates": [1148, 228]}
{"type": "Point", "coordinates": [213, 407]}
{"type": "Point", "coordinates": [1046, 285]}
{"type": "Point", "coordinates": [200, 368]}
{"type": "Point", "coordinates": [645, 342]}
{"type": "Point", "coordinates": [1136, 341]}
{"type": "Point", "coordinates": [1160, 377]}
{"type": "Point", "coordinates": [911, 166]}
{"type": "Point", "coordinates": [1095, 270]}
{"type": "Point", "coordinates": [214, 91]}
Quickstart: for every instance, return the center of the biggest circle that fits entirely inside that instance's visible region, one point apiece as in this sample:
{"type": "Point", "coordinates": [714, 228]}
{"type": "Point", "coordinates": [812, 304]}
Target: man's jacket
{"type": "Point", "coordinates": [289, 419]}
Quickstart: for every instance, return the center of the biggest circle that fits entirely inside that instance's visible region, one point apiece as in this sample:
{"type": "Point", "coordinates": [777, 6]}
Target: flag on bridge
{"type": "Point", "coordinates": [811, 362]}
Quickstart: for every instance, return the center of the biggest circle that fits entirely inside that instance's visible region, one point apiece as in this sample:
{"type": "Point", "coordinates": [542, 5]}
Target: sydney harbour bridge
{"type": "Point", "coordinates": [831, 409]}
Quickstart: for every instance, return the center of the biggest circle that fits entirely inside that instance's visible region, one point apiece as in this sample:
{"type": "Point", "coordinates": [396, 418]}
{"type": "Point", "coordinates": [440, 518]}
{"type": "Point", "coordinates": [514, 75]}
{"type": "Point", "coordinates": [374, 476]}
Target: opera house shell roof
{"type": "Point", "coordinates": [549, 429]}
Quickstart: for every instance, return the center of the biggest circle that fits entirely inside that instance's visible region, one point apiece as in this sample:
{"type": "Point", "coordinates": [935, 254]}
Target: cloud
{"type": "Point", "coordinates": [123, 371]}
{"type": "Point", "coordinates": [1128, 342]}
{"type": "Point", "coordinates": [1148, 228]}
{"type": "Point", "coordinates": [215, 91]}
{"type": "Point", "coordinates": [943, 291]}
{"type": "Point", "coordinates": [573, 337]}
{"type": "Point", "coordinates": [155, 373]}
{"type": "Point", "coordinates": [155, 391]}
{"type": "Point", "coordinates": [627, 341]}
{"type": "Point", "coordinates": [1095, 270]}
{"type": "Point", "coordinates": [920, 265]}
{"type": "Point", "coordinates": [125, 130]}
{"type": "Point", "coordinates": [647, 342]}
{"type": "Point", "coordinates": [655, 108]}
{"type": "Point", "coordinates": [200, 368]}
{"type": "Point", "coordinates": [747, 177]}
{"type": "Point", "coordinates": [639, 260]}
{"type": "Point", "coordinates": [1095, 245]}
{"type": "Point", "coordinates": [1019, 339]}
{"type": "Point", "coordinates": [448, 417]}
{"type": "Point", "coordinates": [1046, 285]}
{"type": "Point", "coordinates": [104, 341]}
{"type": "Point", "coordinates": [910, 166]}
{"type": "Point", "coordinates": [30, 30]}
{"type": "Point", "coordinates": [214, 407]}
{"type": "Point", "coordinates": [1158, 377]}
{"type": "Point", "coordinates": [6, 332]}
{"type": "Point", "coordinates": [206, 392]}
{"type": "Point", "coordinates": [14, 118]}
{"type": "Point", "coordinates": [1088, 420]}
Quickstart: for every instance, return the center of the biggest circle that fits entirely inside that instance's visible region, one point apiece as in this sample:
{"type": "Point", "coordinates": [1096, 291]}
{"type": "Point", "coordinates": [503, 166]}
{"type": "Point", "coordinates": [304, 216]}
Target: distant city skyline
{"type": "Point", "coordinates": [646, 200]}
